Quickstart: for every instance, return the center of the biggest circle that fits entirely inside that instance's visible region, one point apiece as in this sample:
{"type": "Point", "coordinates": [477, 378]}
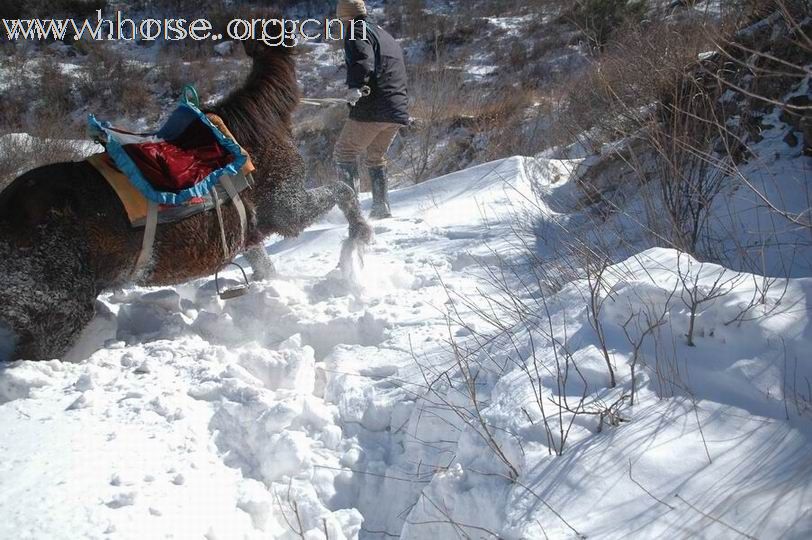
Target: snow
{"type": "Point", "coordinates": [511, 25]}
{"type": "Point", "coordinates": [331, 404]}
{"type": "Point", "coordinates": [17, 141]}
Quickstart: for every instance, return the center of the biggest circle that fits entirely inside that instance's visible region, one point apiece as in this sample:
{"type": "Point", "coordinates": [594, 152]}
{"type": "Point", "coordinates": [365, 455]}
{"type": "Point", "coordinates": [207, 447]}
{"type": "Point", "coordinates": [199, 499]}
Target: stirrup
{"type": "Point", "coordinates": [234, 292]}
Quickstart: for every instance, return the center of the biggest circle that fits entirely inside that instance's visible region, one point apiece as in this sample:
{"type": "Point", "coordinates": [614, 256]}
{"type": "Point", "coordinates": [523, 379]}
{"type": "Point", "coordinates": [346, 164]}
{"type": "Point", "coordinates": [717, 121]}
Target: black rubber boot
{"type": "Point", "coordinates": [348, 173]}
{"type": "Point", "coordinates": [380, 194]}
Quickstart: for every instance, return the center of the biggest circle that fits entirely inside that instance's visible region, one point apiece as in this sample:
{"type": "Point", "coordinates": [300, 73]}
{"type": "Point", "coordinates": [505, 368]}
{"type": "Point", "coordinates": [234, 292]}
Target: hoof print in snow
{"type": "Point", "coordinates": [122, 499]}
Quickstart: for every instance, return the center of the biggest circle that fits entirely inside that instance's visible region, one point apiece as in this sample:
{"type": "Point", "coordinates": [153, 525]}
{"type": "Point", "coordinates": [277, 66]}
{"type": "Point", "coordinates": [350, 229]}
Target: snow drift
{"type": "Point", "coordinates": [321, 406]}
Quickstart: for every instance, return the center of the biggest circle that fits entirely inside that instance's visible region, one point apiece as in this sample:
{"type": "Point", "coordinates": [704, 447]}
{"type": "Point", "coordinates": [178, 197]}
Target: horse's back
{"type": "Point", "coordinates": [40, 193]}
{"type": "Point", "coordinates": [72, 198]}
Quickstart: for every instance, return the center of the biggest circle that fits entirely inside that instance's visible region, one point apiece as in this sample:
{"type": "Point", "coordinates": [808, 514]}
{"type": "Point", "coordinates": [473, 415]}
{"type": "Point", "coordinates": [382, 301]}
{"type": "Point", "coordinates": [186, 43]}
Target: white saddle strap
{"type": "Point", "coordinates": [219, 212]}
{"type": "Point", "coordinates": [148, 242]}
{"type": "Point", "coordinates": [151, 225]}
{"type": "Point", "coordinates": [228, 184]}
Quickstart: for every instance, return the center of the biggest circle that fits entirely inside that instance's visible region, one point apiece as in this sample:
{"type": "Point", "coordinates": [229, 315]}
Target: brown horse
{"type": "Point", "coordinates": [65, 238]}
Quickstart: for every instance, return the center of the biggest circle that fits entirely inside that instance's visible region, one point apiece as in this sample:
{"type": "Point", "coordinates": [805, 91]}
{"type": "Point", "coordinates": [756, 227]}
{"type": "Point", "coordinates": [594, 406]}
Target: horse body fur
{"type": "Point", "coordinates": [65, 238]}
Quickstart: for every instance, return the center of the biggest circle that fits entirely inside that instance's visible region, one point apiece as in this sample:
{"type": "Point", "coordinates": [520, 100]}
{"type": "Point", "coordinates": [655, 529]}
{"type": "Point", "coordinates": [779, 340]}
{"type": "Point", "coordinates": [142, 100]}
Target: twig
{"type": "Point", "coordinates": [650, 494]}
{"type": "Point", "coordinates": [715, 519]}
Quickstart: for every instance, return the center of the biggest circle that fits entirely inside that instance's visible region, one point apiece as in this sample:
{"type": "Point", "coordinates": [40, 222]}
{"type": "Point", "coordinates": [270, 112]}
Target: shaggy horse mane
{"type": "Point", "coordinates": [259, 112]}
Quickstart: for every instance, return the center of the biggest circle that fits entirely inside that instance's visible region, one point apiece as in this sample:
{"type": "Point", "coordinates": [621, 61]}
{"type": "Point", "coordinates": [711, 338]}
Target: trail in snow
{"type": "Point", "coordinates": [198, 417]}
{"type": "Point", "coordinates": [301, 409]}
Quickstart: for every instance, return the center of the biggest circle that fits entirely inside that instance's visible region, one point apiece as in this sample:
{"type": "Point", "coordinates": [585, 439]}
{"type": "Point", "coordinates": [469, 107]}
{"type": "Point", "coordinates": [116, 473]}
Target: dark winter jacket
{"type": "Point", "coordinates": [376, 62]}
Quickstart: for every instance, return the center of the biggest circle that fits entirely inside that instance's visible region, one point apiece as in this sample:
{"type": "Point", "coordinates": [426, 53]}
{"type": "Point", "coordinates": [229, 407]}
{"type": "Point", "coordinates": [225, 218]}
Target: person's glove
{"type": "Point", "coordinates": [353, 95]}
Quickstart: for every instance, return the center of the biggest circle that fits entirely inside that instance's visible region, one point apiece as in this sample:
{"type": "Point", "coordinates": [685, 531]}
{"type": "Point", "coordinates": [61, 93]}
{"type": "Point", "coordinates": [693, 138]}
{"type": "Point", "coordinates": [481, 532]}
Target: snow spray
{"type": "Point", "coordinates": [351, 263]}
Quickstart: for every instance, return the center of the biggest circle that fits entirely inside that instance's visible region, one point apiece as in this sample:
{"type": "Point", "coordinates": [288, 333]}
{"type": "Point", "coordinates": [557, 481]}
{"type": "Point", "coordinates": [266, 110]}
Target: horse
{"type": "Point", "coordinates": [65, 238]}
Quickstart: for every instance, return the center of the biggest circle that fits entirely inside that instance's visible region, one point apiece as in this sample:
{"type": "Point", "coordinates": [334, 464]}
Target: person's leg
{"type": "Point", "coordinates": [382, 138]}
{"type": "Point", "coordinates": [355, 137]}
{"type": "Point", "coordinates": [376, 164]}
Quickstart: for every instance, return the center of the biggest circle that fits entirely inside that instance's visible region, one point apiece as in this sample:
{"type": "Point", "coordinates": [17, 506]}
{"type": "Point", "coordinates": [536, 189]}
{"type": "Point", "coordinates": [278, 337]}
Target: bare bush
{"type": "Point", "coordinates": [595, 265]}
{"type": "Point", "coordinates": [120, 86]}
{"type": "Point", "coordinates": [21, 152]}
{"type": "Point", "coordinates": [614, 98]}
{"type": "Point", "coordinates": [599, 19]}
{"type": "Point", "coordinates": [695, 296]}
{"type": "Point", "coordinates": [689, 174]}
{"type": "Point", "coordinates": [462, 379]}
{"type": "Point", "coordinates": [10, 9]}
{"type": "Point", "coordinates": [437, 99]}
{"type": "Point", "coordinates": [644, 324]}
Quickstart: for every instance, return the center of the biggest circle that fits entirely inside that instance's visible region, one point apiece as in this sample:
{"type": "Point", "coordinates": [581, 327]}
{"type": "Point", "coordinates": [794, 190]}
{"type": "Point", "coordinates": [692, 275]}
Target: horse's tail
{"type": "Point", "coordinates": [46, 291]}
{"type": "Point", "coordinates": [6, 195]}
{"type": "Point", "coordinates": [12, 320]}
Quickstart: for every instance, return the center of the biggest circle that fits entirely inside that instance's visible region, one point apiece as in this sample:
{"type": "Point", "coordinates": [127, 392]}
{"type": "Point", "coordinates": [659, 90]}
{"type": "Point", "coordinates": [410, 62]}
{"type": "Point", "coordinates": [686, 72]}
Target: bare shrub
{"type": "Point", "coordinates": [38, 93]}
{"type": "Point", "coordinates": [21, 152]}
{"type": "Point", "coordinates": [512, 118]}
{"type": "Point", "coordinates": [172, 73]}
{"type": "Point", "coordinates": [646, 324]}
{"type": "Point", "coordinates": [16, 95]}
{"type": "Point", "coordinates": [595, 265]}
{"type": "Point", "coordinates": [695, 296]}
{"type": "Point", "coordinates": [55, 90]}
{"type": "Point", "coordinates": [614, 97]}
{"type": "Point", "coordinates": [437, 99]}
{"type": "Point", "coordinates": [599, 19]}
{"type": "Point", "coordinates": [117, 84]}
{"type": "Point", "coordinates": [689, 174]}
{"type": "Point", "coordinates": [11, 9]}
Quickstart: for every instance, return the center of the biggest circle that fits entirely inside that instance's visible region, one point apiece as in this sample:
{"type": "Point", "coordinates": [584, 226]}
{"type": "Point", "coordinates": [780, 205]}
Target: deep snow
{"type": "Point", "coordinates": [319, 407]}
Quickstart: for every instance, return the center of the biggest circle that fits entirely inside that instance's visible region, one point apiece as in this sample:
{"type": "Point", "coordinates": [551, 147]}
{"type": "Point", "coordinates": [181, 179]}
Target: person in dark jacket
{"type": "Point", "coordinates": [377, 94]}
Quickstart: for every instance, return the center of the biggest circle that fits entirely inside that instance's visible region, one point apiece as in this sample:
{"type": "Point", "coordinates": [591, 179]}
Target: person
{"type": "Point", "coordinates": [377, 94]}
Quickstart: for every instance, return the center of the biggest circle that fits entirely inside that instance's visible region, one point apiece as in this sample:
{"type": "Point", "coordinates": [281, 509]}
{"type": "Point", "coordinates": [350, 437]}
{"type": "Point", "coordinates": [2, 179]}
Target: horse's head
{"type": "Point", "coordinates": [259, 111]}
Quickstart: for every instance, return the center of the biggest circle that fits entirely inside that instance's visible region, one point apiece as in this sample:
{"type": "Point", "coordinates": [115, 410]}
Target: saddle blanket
{"type": "Point", "coordinates": [183, 160]}
{"type": "Point", "coordinates": [136, 204]}
{"type": "Point", "coordinates": [180, 167]}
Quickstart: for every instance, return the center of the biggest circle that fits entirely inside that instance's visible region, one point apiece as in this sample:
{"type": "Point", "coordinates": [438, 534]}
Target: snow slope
{"type": "Point", "coordinates": [320, 407]}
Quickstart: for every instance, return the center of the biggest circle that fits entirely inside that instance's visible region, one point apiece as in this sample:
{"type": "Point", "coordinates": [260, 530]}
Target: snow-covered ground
{"type": "Point", "coordinates": [392, 405]}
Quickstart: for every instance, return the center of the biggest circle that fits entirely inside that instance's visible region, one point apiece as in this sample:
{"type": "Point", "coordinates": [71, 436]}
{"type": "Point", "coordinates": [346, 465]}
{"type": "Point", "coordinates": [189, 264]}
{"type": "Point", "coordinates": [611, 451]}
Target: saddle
{"type": "Point", "coordinates": [190, 165]}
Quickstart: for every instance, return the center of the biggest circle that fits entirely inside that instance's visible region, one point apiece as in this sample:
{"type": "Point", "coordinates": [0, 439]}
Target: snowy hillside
{"type": "Point", "coordinates": [384, 402]}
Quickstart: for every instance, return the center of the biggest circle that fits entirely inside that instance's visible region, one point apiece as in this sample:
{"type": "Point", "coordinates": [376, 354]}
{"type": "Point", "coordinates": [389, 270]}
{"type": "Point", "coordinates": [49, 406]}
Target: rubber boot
{"type": "Point", "coordinates": [348, 173]}
{"type": "Point", "coordinates": [380, 194]}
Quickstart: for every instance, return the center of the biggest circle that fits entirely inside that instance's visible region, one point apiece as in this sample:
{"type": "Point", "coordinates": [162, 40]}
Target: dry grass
{"type": "Point", "coordinates": [119, 85]}
{"type": "Point", "coordinates": [20, 153]}
{"type": "Point", "coordinates": [14, 9]}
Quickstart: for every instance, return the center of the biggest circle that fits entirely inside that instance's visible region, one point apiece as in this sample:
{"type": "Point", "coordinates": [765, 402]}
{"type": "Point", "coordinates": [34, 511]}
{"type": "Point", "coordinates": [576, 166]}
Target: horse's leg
{"type": "Point", "coordinates": [351, 208]}
{"type": "Point", "coordinates": [261, 262]}
{"type": "Point", "coordinates": [294, 208]}
{"type": "Point", "coordinates": [47, 294]}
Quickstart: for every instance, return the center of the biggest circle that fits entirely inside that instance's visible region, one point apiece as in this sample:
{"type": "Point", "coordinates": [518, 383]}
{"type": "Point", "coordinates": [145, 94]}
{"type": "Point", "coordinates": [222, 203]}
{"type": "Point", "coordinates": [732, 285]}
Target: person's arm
{"type": "Point", "coordinates": [360, 60]}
